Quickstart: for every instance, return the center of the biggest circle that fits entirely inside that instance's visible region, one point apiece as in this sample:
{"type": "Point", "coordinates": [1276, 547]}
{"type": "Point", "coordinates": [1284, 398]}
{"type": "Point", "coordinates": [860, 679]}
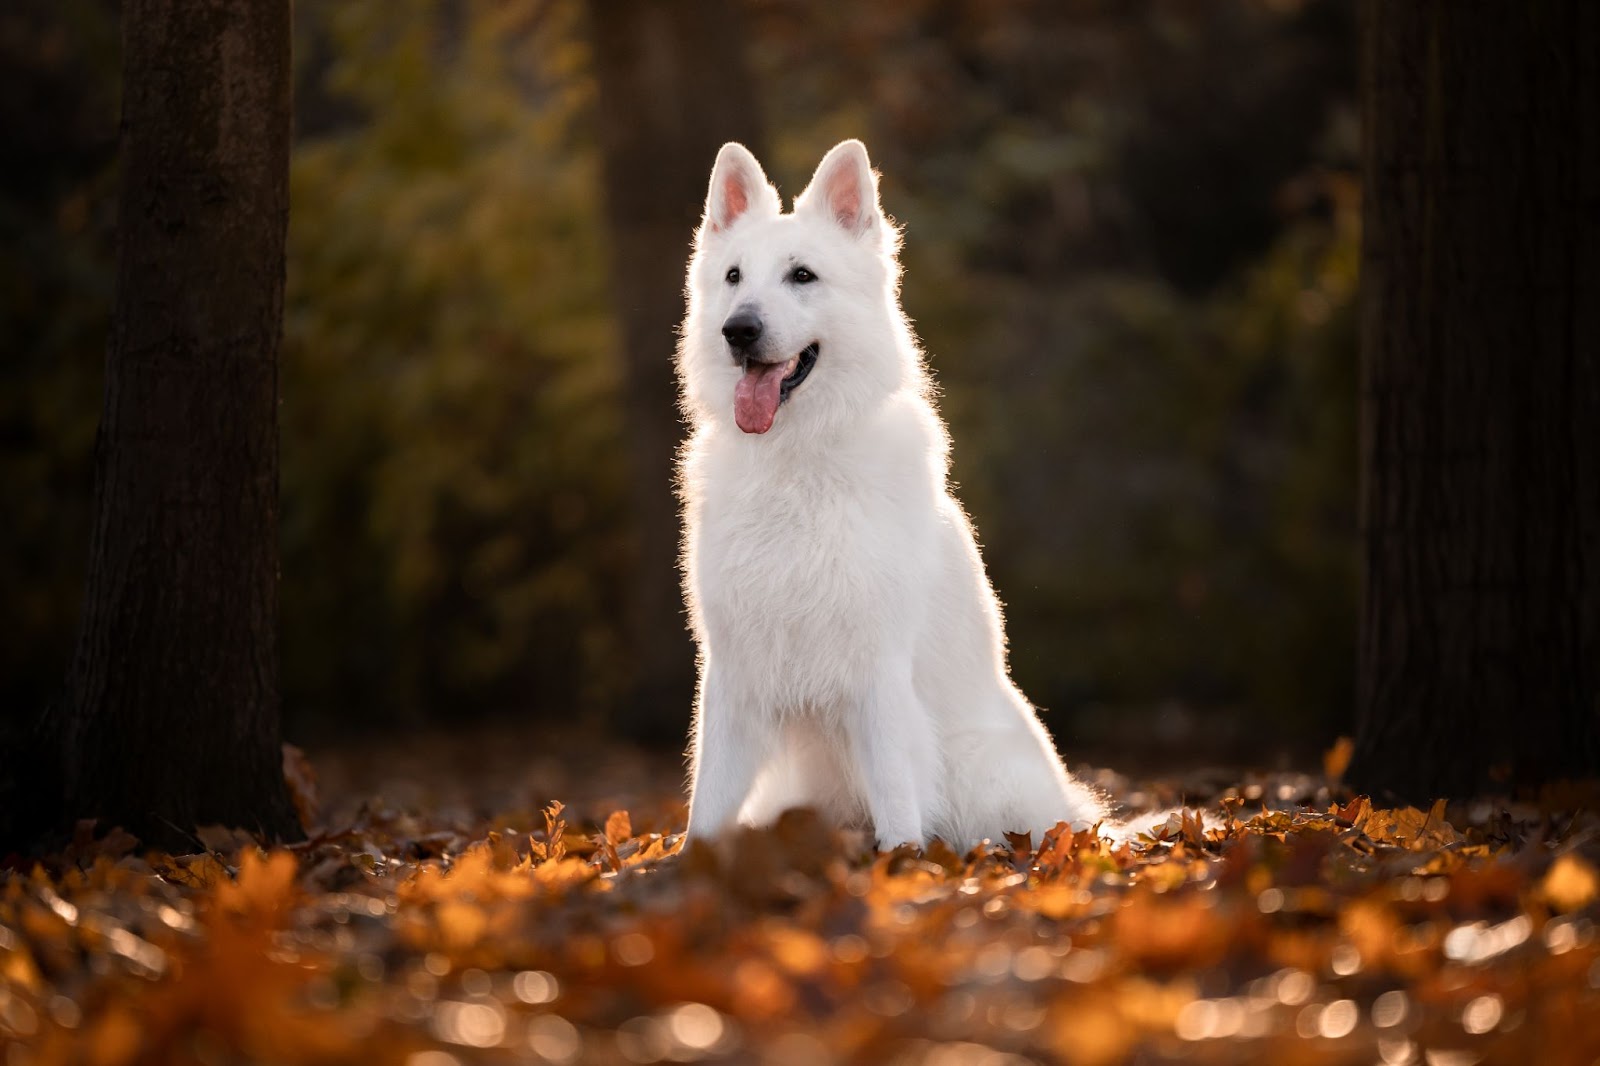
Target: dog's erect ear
{"type": "Point", "coordinates": [844, 187]}
{"type": "Point", "coordinates": [738, 187]}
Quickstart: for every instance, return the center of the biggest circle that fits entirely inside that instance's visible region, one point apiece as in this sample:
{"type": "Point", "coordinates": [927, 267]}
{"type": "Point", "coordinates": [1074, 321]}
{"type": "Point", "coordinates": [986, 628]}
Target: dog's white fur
{"type": "Point", "coordinates": [852, 652]}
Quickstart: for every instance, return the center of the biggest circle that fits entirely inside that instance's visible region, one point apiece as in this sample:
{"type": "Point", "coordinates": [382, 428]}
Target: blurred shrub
{"type": "Point", "coordinates": [1166, 487]}
{"type": "Point", "coordinates": [451, 474]}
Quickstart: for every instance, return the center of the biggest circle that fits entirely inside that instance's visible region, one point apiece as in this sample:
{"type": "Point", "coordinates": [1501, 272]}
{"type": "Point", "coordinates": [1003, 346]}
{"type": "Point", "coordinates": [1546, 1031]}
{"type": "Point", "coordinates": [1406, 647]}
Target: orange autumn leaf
{"type": "Point", "coordinates": [619, 827]}
{"type": "Point", "coordinates": [1571, 883]}
{"type": "Point", "coordinates": [405, 936]}
{"type": "Point", "coordinates": [1337, 758]}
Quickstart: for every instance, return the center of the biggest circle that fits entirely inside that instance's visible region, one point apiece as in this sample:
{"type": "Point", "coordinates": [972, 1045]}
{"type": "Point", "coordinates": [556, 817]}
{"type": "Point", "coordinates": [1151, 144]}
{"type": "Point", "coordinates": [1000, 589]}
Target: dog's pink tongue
{"type": "Point", "coordinates": [755, 398]}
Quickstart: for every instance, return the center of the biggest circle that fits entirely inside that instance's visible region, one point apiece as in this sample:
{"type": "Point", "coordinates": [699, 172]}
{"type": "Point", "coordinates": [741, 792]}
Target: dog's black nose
{"type": "Point", "coordinates": [742, 329]}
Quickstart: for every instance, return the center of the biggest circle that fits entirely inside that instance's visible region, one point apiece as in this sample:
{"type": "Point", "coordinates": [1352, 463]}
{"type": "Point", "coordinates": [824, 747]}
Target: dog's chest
{"type": "Point", "coordinates": [808, 562]}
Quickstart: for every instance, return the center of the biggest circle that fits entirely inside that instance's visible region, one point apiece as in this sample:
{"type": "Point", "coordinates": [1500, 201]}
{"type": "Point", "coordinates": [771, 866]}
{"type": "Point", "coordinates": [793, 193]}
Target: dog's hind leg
{"type": "Point", "coordinates": [1008, 780]}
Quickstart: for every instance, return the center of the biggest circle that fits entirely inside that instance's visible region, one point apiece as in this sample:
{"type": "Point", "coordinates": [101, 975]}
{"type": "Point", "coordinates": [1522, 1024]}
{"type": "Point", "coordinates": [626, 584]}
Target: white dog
{"type": "Point", "coordinates": [852, 654]}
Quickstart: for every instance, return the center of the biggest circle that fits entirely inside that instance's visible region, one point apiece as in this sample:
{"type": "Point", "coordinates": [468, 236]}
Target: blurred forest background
{"type": "Point", "coordinates": [1131, 255]}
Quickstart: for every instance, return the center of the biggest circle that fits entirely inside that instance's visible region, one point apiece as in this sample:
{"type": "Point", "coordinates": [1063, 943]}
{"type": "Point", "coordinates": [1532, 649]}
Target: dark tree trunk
{"type": "Point", "coordinates": [673, 87]}
{"type": "Point", "coordinates": [1480, 639]}
{"type": "Point", "coordinates": [171, 714]}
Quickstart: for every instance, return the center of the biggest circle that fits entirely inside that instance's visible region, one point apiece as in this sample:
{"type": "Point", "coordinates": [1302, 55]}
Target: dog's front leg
{"type": "Point", "coordinates": [730, 745]}
{"type": "Point", "coordinates": [891, 740]}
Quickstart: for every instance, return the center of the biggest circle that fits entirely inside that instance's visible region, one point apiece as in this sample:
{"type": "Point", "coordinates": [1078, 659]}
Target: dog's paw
{"type": "Point", "coordinates": [898, 848]}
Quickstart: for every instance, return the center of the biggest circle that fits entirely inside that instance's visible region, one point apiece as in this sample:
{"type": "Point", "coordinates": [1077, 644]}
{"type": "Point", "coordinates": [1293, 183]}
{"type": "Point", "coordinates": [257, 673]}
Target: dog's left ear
{"type": "Point", "coordinates": [845, 187]}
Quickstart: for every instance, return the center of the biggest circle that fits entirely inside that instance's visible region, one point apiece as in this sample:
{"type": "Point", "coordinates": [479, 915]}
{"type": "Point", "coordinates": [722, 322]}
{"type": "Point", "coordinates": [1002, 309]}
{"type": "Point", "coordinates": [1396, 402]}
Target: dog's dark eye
{"type": "Point", "coordinates": [734, 276]}
{"type": "Point", "coordinates": [802, 276]}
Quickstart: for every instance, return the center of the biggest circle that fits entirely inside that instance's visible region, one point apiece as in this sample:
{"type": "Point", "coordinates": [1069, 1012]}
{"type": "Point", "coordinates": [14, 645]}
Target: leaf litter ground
{"type": "Point", "coordinates": [444, 914]}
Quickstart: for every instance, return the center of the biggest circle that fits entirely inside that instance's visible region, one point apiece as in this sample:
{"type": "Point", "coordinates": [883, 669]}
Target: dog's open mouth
{"type": "Point", "coordinates": [766, 385]}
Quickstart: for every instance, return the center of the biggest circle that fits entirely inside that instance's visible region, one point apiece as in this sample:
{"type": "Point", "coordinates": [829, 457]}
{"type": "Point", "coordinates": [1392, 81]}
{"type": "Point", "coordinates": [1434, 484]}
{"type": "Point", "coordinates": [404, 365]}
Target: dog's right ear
{"type": "Point", "coordinates": [738, 187]}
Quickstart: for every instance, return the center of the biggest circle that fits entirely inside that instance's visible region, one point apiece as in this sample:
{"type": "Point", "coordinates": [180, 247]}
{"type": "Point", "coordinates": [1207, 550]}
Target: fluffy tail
{"type": "Point", "coordinates": [1173, 823]}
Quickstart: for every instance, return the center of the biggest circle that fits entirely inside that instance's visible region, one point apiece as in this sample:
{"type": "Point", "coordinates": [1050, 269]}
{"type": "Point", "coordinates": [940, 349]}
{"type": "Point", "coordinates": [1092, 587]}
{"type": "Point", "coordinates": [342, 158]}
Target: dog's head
{"type": "Point", "coordinates": [793, 310]}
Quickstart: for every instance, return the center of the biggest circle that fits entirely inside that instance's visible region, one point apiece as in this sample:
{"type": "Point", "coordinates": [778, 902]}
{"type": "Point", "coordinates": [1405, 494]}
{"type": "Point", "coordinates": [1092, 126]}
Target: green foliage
{"type": "Point", "coordinates": [1165, 484]}
{"type": "Point", "coordinates": [451, 468]}
{"type": "Point", "coordinates": [1196, 459]}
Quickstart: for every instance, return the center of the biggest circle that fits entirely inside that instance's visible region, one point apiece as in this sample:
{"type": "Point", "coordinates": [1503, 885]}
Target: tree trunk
{"type": "Point", "coordinates": [673, 87]}
{"type": "Point", "coordinates": [171, 715]}
{"type": "Point", "coordinates": [1480, 636]}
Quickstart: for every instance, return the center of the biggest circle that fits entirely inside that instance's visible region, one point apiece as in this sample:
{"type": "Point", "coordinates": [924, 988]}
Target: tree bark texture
{"type": "Point", "coordinates": [673, 87]}
{"type": "Point", "coordinates": [1480, 334]}
{"type": "Point", "coordinates": [171, 715]}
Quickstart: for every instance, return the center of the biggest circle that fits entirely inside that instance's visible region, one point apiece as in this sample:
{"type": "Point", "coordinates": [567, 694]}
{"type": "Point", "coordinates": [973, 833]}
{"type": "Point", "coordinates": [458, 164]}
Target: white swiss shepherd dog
{"type": "Point", "coordinates": [852, 651]}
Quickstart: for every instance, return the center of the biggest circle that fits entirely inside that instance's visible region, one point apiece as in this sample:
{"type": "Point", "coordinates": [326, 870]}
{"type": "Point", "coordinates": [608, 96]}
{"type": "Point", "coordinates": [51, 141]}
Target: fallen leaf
{"type": "Point", "coordinates": [1570, 884]}
{"type": "Point", "coordinates": [1337, 758]}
